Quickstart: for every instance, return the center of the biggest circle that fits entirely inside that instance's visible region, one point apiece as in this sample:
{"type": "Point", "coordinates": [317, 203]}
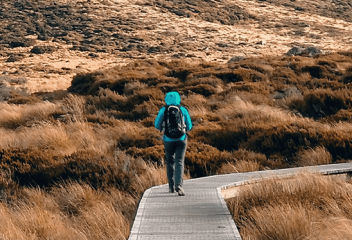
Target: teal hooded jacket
{"type": "Point", "coordinates": [173, 98]}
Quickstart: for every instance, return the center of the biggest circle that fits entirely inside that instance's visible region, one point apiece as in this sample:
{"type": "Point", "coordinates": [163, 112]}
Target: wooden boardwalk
{"type": "Point", "coordinates": [202, 214]}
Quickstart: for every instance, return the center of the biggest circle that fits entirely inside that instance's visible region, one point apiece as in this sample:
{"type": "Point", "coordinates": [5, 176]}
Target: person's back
{"type": "Point", "coordinates": [175, 138]}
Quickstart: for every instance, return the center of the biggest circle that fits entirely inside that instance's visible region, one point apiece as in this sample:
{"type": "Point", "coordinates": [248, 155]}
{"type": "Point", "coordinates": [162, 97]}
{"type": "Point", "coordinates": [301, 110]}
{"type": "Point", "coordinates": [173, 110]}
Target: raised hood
{"type": "Point", "coordinates": [172, 98]}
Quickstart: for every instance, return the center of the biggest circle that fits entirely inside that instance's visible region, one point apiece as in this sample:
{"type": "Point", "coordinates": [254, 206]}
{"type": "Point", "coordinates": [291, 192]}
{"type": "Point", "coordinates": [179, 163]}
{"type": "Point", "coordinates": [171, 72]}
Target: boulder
{"type": "Point", "coordinates": [236, 59]}
{"type": "Point", "coordinates": [309, 51]}
{"type": "Point", "coordinates": [43, 49]}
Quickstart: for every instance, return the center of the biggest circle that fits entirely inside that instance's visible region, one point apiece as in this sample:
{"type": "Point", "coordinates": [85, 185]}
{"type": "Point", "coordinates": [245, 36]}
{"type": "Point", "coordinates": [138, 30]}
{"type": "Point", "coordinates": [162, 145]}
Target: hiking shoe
{"type": "Point", "coordinates": [180, 191]}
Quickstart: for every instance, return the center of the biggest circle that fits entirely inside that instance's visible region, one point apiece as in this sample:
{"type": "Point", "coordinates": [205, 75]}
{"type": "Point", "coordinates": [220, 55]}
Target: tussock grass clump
{"type": "Point", "coordinates": [239, 166]}
{"type": "Point", "coordinates": [45, 136]}
{"type": "Point", "coordinates": [17, 98]}
{"type": "Point", "coordinates": [245, 161]}
{"type": "Point", "coordinates": [316, 156]}
{"type": "Point", "coordinates": [63, 139]}
{"type": "Point", "coordinates": [69, 211]}
{"type": "Point", "coordinates": [293, 208]}
{"type": "Point", "coordinates": [14, 116]}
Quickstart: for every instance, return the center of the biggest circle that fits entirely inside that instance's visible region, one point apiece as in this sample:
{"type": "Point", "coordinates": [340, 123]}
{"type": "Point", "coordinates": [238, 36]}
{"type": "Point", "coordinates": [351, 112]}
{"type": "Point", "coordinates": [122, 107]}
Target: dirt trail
{"type": "Point", "coordinates": [117, 32]}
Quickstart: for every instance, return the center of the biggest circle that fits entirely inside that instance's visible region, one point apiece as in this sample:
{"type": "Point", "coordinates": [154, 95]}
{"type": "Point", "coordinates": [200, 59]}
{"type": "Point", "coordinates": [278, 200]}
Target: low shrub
{"type": "Point", "coordinates": [154, 154]}
{"type": "Point", "coordinates": [322, 102]}
{"type": "Point", "coordinates": [222, 139]}
{"type": "Point", "coordinates": [314, 71]}
{"type": "Point", "coordinates": [203, 89]}
{"type": "Point", "coordinates": [42, 49]}
{"type": "Point", "coordinates": [204, 160]}
{"type": "Point", "coordinates": [229, 77]}
{"type": "Point", "coordinates": [142, 138]}
{"type": "Point", "coordinates": [347, 77]}
{"type": "Point", "coordinates": [31, 167]}
{"type": "Point", "coordinates": [84, 83]}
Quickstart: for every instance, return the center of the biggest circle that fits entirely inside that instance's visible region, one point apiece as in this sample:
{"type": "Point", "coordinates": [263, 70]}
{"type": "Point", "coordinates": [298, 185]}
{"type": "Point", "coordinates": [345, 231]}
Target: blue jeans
{"type": "Point", "coordinates": [174, 158]}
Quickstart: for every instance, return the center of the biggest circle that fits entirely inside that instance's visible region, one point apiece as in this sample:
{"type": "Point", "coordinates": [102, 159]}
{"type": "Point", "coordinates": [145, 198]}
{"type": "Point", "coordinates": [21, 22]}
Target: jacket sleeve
{"type": "Point", "coordinates": [159, 119]}
{"type": "Point", "coordinates": [188, 120]}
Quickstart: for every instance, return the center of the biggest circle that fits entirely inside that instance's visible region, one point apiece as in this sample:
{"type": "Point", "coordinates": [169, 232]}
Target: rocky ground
{"type": "Point", "coordinates": [43, 44]}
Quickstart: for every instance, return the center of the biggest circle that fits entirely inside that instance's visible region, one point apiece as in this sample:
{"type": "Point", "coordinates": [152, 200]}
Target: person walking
{"type": "Point", "coordinates": [175, 121]}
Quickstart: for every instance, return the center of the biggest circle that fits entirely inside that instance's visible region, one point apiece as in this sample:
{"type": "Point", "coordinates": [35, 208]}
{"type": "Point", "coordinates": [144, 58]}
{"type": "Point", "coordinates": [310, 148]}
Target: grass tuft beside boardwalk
{"type": "Point", "coordinates": [307, 206]}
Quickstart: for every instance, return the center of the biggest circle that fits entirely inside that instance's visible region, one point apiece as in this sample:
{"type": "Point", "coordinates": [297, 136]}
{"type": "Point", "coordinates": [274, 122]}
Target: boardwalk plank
{"type": "Point", "coordinates": [202, 214]}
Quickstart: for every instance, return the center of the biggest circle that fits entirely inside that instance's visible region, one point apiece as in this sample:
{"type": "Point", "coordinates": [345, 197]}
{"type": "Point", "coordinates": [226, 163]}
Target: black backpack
{"type": "Point", "coordinates": [175, 126]}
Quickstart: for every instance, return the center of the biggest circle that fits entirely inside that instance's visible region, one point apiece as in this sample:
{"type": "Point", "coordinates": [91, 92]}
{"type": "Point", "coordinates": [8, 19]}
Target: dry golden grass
{"type": "Point", "coordinates": [244, 161]}
{"type": "Point", "coordinates": [61, 139]}
{"type": "Point", "coordinates": [91, 156]}
{"type": "Point", "coordinates": [296, 208]}
{"type": "Point", "coordinates": [103, 222]}
{"type": "Point", "coordinates": [69, 211]}
{"type": "Point", "coordinates": [316, 156]}
{"type": "Point", "coordinates": [45, 136]}
{"type": "Point", "coordinates": [334, 228]}
{"type": "Point", "coordinates": [236, 108]}
{"type": "Point", "coordinates": [13, 116]}
{"type": "Point", "coordinates": [101, 146]}
{"type": "Point", "coordinates": [279, 222]}
{"type": "Point", "coordinates": [239, 166]}
{"type": "Point", "coordinates": [152, 176]}
{"type": "Point", "coordinates": [74, 107]}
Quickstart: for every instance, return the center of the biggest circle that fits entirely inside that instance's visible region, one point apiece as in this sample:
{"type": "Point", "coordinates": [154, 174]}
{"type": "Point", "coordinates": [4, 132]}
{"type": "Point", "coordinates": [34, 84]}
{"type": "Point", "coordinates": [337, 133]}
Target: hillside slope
{"type": "Point", "coordinates": [85, 35]}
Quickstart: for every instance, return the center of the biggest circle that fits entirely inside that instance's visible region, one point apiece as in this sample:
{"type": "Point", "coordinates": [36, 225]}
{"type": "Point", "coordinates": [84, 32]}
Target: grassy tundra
{"type": "Point", "coordinates": [74, 164]}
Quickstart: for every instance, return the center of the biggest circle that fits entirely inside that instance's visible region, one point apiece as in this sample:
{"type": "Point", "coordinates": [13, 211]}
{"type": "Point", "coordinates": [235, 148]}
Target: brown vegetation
{"type": "Point", "coordinates": [73, 166]}
{"type": "Point", "coordinates": [70, 211]}
{"type": "Point", "coordinates": [336, 10]}
{"type": "Point", "coordinates": [251, 104]}
{"type": "Point", "coordinates": [65, 21]}
{"type": "Point", "coordinates": [76, 149]}
{"type": "Point", "coordinates": [307, 206]}
{"type": "Point", "coordinates": [79, 36]}
{"type": "Point", "coordinates": [210, 11]}
{"type": "Point", "coordinates": [64, 178]}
